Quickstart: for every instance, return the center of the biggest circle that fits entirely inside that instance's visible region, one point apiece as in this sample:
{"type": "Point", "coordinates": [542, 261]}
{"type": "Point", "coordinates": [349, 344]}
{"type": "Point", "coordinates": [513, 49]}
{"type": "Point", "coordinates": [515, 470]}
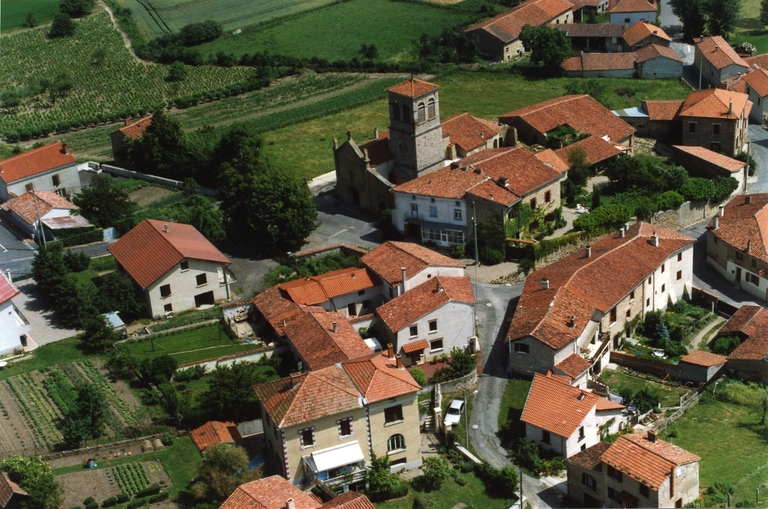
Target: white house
{"type": "Point", "coordinates": [13, 325]}
{"type": "Point", "coordinates": [48, 168]}
{"type": "Point", "coordinates": [716, 60]}
{"type": "Point", "coordinates": [36, 211]}
{"type": "Point", "coordinates": [757, 90]}
{"type": "Point", "coordinates": [175, 266]}
{"type": "Point", "coordinates": [430, 319]}
{"type": "Point", "coordinates": [630, 12]}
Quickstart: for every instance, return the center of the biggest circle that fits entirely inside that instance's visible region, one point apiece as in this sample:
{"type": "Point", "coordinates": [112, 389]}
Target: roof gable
{"type": "Point", "coordinates": [557, 407]}
{"type": "Point", "coordinates": [33, 203]}
{"type": "Point", "coordinates": [8, 488]}
{"type": "Point", "coordinates": [469, 132]}
{"type": "Point", "coordinates": [662, 110]}
{"type": "Point", "coordinates": [317, 289]}
{"type": "Point", "coordinates": [596, 149]}
{"type": "Point", "coordinates": [652, 51]}
{"type": "Point", "coordinates": [7, 289]}
{"type": "Point", "coordinates": [507, 25]}
{"type": "Point", "coordinates": [758, 80]}
{"type": "Point", "coordinates": [751, 324]}
{"type": "Point", "coordinates": [378, 378]}
{"type": "Point", "coordinates": [413, 88]}
{"type": "Point", "coordinates": [719, 53]}
{"type": "Point", "coordinates": [135, 129]}
{"type": "Point", "coordinates": [270, 493]}
{"type": "Point", "coordinates": [723, 161]}
{"type": "Point", "coordinates": [642, 30]}
{"type": "Point", "coordinates": [551, 159]}
{"type": "Point", "coordinates": [325, 338]}
{"type": "Point", "coordinates": [35, 161]}
{"type": "Point", "coordinates": [215, 432]}
{"type": "Point", "coordinates": [744, 225]}
{"type": "Point", "coordinates": [716, 103]}
{"type": "Point", "coordinates": [634, 6]}
{"type": "Point", "coordinates": [387, 259]}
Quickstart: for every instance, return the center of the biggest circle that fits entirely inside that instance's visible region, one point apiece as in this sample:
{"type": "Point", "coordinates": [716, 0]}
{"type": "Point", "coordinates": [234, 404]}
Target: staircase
{"type": "Point", "coordinates": [428, 426]}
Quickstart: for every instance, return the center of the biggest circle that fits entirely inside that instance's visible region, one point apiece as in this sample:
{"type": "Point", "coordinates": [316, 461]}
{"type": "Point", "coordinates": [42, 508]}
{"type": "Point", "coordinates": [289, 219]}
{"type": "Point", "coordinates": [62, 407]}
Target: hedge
{"type": "Point", "coordinates": [152, 490]}
{"type": "Point", "coordinates": [136, 503]}
{"type": "Point", "coordinates": [398, 491]}
{"type": "Point", "coordinates": [123, 497]}
{"type": "Point", "coordinates": [109, 502]}
{"type": "Point", "coordinates": [159, 498]}
{"type": "Point", "coordinates": [92, 505]}
{"type": "Point", "coordinates": [549, 246]}
{"type": "Point", "coordinates": [96, 235]}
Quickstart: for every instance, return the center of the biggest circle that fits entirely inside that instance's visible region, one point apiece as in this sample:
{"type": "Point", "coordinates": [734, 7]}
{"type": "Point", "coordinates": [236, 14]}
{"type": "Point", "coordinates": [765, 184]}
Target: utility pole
{"type": "Point", "coordinates": [701, 66]}
{"type": "Point", "coordinates": [39, 222]}
{"type": "Point", "coordinates": [466, 424]}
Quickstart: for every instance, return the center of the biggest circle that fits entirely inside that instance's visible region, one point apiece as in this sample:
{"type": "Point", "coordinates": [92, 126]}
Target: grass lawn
{"type": "Point", "coordinates": [731, 444]}
{"type": "Point", "coordinates": [15, 12]}
{"type": "Point", "coordinates": [337, 31]}
{"type": "Point", "coordinates": [617, 380]}
{"type": "Point", "coordinates": [47, 355]}
{"type": "Point", "coordinates": [749, 28]}
{"type": "Point", "coordinates": [473, 494]}
{"type": "Point", "coordinates": [513, 401]}
{"type": "Point", "coordinates": [189, 345]}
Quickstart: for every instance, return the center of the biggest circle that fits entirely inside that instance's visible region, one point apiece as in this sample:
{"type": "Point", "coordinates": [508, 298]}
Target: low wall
{"type": "Point", "coordinates": [687, 214]}
{"type": "Point", "coordinates": [103, 447]}
{"type": "Point", "coordinates": [254, 355]}
{"type": "Point", "coordinates": [129, 174]}
{"type": "Point", "coordinates": [657, 368]}
{"type": "Point", "coordinates": [336, 248]}
{"type": "Point", "coordinates": [165, 332]}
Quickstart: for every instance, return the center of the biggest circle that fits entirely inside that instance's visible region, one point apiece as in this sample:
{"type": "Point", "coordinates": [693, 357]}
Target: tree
{"type": "Point", "coordinates": [75, 431]}
{"type": "Point", "coordinates": [380, 477]}
{"type": "Point", "coordinates": [99, 56]}
{"type": "Point", "coordinates": [49, 271]}
{"type": "Point", "coordinates": [743, 156]}
{"type": "Point", "coordinates": [158, 370]}
{"type": "Point", "coordinates": [230, 395]}
{"type": "Point", "coordinates": [548, 46]}
{"type": "Point", "coordinates": [35, 477]}
{"type": "Point", "coordinates": [579, 168]}
{"type": "Point", "coordinates": [595, 197]}
{"type": "Point", "coordinates": [691, 14]}
{"type": "Point", "coordinates": [177, 71]}
{"type": "Point", "coordinates": [62, 26]}
{"type": "Point", "coordinates": [461, 362]}
{"type": "Point", "coordinates": [201, 213]}
{"type": "Point", "coordinates": [30, 21]}
{"type": "Point", "coordinates": [216, 476]}
{"type": "Point", "coordinates": [436, 470]}
{"type": "Point", "coordinates": [722, 16]}
{"type": "Point", "coordinates": [369, 52]}
{"type": "Point", "coordinates": [103, 203]}
{"type": "Point", "coordinates": [91, 407]}
{"type": "Point", "coordinates": [119, 293]}
{"type": "Point", "coordinates": [76, 8]}
{"type": "Point", "coordinates": [11, 98]}
{"type": "Point", "coordinates": [161, 150]}
{"type": "Point", "coordinates": [98, 335]}
{"type": "Point", "coordinates": [764, 12]}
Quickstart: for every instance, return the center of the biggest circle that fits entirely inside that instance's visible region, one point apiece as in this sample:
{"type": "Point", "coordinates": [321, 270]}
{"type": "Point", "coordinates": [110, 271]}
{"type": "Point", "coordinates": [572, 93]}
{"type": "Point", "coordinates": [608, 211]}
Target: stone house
{"type": "Point", "coordinates": [716, 119]}
{"type": "Point", "coordinates": [584, 303]}
{"type": "Point", "coordinates": [323, 424]}
{"type": "Point", "coordinates": [747, 361]}
{"type": "Point", "coordinates": [736, 246]}
{"type": "Point", "coordinates": [499, 35]}
{"type": "Point", "coordinates": [702, 162]}
{"type": "Point", "coordinates": [655, 119]}
{"type": "Point", "coordinates": [275, 492]}
{"type": "Point", "coordinates": [14, 328]}
{"type": "Point", "coordinates": [635, 471]}
{"type": "Point", "coordinates": [565, 419]}
{"type": "Point", "coordinates": [642, 34]}
{"type": "Point", "coordinates": [430, 319]}
{"type": "Point", "coordinates": [132, 129]}
{"type": "Point", "coordinates": [594, 36]}
{"type": "Point", "coordinates": [176, 267]}
{"type": "Point", "coordinates": [756, 87]}
{"type": "Point", "coordinates": [700, 366]}
{"type": "Point", "coordinates": [51, 167]}
{"type": "Point", "coordinates": [631, 11]}
{"type": "Point", "coordinates": [43, 213]}
{"type": "Point", "coordinates": [648, 62]}
{"type": "Point", "coordinates": [716, 60]}
{"type": "Point", "coordinates": [656, 62]}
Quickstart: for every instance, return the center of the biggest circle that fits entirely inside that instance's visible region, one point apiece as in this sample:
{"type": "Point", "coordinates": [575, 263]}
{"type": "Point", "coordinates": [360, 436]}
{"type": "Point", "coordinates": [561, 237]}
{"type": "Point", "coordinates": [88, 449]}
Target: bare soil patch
{"type": "Point", "coordinates": [89, 483]}
{"type": "Point", "coordinates": [148, 194]}
{"type": "Point", "coordinates": [120, 387]}
{"type": "Point", "coordinates": [15, 436]}
{"type": "Point", "coordinates": [105, 453]}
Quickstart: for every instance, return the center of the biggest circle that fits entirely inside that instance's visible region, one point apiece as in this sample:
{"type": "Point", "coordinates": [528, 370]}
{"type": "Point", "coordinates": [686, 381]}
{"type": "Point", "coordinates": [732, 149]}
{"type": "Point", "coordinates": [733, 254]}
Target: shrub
{"type": "Point", "coordinates": [459, 252]}
{"type": "Point", "coordinates": [123, 497]}
{"type": "Point", "coordinates": [152, 490]}
{"type": "Point", "coordinates": [436, 470]}
{"type": "Point", "coordinates": [88, 500]}
{"type": "Point", "coordinates": [76, 261]}
{"type": "Point", "coordinates": [419, 376]}
{"type": "Point", "coordinates": [92, 505]}
{"type": "Point", "coordinates": [109, 502]}
{"type": "Point", "coordinates": [168, 439]}
{"type": "Point", "coordinates": [159, 497]}
{"type": "Point", "coordinates": [725, 345]}
{"type": "Point", "coordinates": [398, 491]}
{"type": "Point", "coordinates": [669, 200]}
{"type": "Point", "coordinates": [136, 503]}
{"type": "Point", "coordinates": [490, 256]}
{"type": "Point", "coordinates": [606, 217]}
{"type": "Point", "coordinates": [62, 26]}
{"type": "Point", "coordinates": [189, 374]}
{"type": "Point", "coordinates": [527, 265]}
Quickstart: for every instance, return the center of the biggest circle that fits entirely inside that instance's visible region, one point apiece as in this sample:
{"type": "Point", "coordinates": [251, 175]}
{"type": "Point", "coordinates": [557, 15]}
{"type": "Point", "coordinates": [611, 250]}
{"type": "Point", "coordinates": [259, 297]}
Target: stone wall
{"type": "Point", "coordinates": [122, 172]}
{"type": "Point", "coordinates": [688, 214]}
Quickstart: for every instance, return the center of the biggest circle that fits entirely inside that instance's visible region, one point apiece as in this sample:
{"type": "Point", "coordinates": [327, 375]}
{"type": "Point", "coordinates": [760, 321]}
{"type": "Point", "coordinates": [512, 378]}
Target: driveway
{"type": "Point", "coordinates": [46, 326]}
{"type": "Point", "coordinates": [758, 148]}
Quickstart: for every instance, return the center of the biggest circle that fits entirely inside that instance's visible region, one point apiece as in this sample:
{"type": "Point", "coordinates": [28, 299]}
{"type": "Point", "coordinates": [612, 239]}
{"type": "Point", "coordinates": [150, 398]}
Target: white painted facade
{"type": "Point", "coordinates": [630, 18]}
{"type": "Point", "coordinates": [759, 110]}
{"type": "Point", "coordinates": [759, 290]}
{"type": "Point", "coordinates": [64, 180]}
{"type": "Point", "coordinates": [355, 303]}
{"type": "Point", "coordinates": [660, 68]}
{"type": "Point", "coordinates": [389, 292]}
{"type": "Point", "coordinates": [12, 325]}
{"type": "Point", "coordinates": [446, 218]}
{"type": "Point", "coordinates": [452, 328]}
{"type": "Point", "coordinates": [184, 287]}
{"type": "Point", "coordinates": [586, 435]}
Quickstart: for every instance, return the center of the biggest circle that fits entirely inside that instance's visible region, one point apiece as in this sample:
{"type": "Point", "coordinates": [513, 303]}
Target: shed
{"type": "Point", "coordinates": [700, 366]}
{"type": "Point", "coordinates": [215, 432]}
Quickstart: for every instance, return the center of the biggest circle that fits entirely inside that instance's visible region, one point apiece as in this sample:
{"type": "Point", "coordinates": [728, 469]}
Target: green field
{"type": "Point", "coordinates": [617, 380]}
{"type": "Point", "coordinates": [749, 27]}
{"type": "Point", "coordinates": [189, 346]}
{"type": "Point", "coordinates": [336, 32]}
{"type": "Point", "coordinates": [13, 13]}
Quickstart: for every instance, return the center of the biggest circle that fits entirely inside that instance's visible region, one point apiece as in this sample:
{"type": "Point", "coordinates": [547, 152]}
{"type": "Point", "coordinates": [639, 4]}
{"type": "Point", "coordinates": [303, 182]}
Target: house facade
{"type": "Point", "coordinates": [656, 62]}
{"type": "Point", "coordinates": [747, 361]}
{"type": "Point", "coordinates": [630, 12]}
{"type": "Point", "coordinates": [735, 245]}
{"type": "Point", "coordinates": [13, 326]}
{"type": "Point", "coordinates": [176, 267]}
{"type": "Point", "coordinates": [717, 61]}
{"type": "Point", "coordinates": [635, 471]}
{"type": "Point", "coordinates": [48, 168]}
{"type": "Point", "coordinates": [702, 162]}
{"type": "Point", "coordinates": [716, 119]}
{"type": "Point", "coordinates": [757, 89]}
{"type": "Point", "coordinates": [594, 36]}
{"type": "Point", "coordinates": [583, 303]}
{"type": "Point", "coordinates": [39, 213]}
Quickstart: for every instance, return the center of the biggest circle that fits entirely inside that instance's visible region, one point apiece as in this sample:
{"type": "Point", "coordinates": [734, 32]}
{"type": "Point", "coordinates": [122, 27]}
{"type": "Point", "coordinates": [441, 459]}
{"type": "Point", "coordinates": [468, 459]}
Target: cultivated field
{"type": "Point", "coordinates": [749, 27]}
{"type": "Point", "coordinates": [14, 12]}
{"type": "Point", "coordinates": [336, 32]}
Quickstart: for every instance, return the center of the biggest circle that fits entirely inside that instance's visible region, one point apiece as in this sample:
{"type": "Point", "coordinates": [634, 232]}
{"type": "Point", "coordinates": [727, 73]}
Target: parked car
{"type": "Point", "coordinates": [453, 414]}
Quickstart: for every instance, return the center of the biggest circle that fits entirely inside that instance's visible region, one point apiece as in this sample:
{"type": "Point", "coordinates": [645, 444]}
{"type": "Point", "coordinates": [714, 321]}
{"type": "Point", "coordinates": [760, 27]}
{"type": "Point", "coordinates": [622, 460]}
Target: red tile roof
{"type": "Point", "coordinates": [215, 432]}
{"type": "Point", "coordinates": [378, 378]}
{"type": "Point", "coordinates": [270, 493]}
{"type": "Point", "coordinates": [349, 500]}
{"type": "Point", "coordinates": [38, 160]}
{"type": "Point", "coordinates": [581, 112]}
{"type": "Point", "coordinates": [759, 81]}
{"type": "Point", "coordinates": [7, 290]}
{"type": "Point", "coordinates": [723, 161]}
{"type": "Point", "coordinates": [387, 259]}
{"type": "Point", "coordinates": [702, 358]}
{"type": "Point", "coordinates": [751, 324]}
{"type": "Point", "coordinates": [642, 30]}
{"type": "Point", "coordinates": [26, 208]}
{"type": "Point", "coordinates": [277, 308]}
{"type": "Point", "coordinates": [606, 404]}
{"type": "Point", "coordinates": [378, 149]}
{"type": "Point", "coordinates": [574, 365]}
{"type": "Point", "coordinates": [651, 51]}
{"type": "Point", "coordinates": [313, 337]}
{"type": "Point", "coordinates": [719, 53]}
{"type": "Point", "coordinates": [579, 285]}
{"type": "Point", "coordinates": [556, 407]}
{"type": "Point", "coordinates": [136, 129]}
{"type": "Point", "coordinates": [147, 252]}
{"type": "Point", "coordinates": [413, 87]}
{"type": "Point", "coordinates": [415, 346]}
{"type": "Point", "coordinates": [8, 488]}
{"type": "Point", "coordinates": [447, 182]}
{"type": "Point", "coordinates": [469, 132]}
{"type": "Point", "coordinates": [430, 295]}
{"type": "Point", "coordinates": [317, 289]}
{"type": "Point", "coordinates": [662, 110]}
{"type": "Point", "coordinates": [599, 62]}
{"type": "Point", "coordinates": [649, 463]}
{"type": "Point", "coordinates": [716, 103]}
{"type": "Point", "coordinates": [551, 159]}
{"type": "Point", "coordinates": [758, 61]}
{"type": "Point", "coordinates": [507, 25]}
{"type": "Point", "coordinates": [744, 226]}
{"type": "Point", "coordinates": [596, 148]}
{"type": "Point", "coordinates": [590, 29]}
{"type": "Point", "coordinates": [491, 191]}
{"type": "Point", "coordinates": [634, 6]}
{"type": "Point", "coordinates": [589, 459]}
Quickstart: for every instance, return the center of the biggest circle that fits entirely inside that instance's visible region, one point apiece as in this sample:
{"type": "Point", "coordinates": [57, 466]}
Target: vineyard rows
{"type": "Point", "coordinates": [38, 412]}
{"type": "Point", "coordinates": [117, 406]}
{"type": "Point", "coordinates": [131, 477]}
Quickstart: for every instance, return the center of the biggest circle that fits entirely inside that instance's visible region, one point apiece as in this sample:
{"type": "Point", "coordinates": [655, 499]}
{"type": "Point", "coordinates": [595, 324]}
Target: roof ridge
{"type": "Point", "coordinates": [30, 152]}
{"type": "Point", "coordinates": [652, 451]}
{"type": "Point", "coordinates": [338, 387]}
{"type": "Point", "coordinates": [166, 241]}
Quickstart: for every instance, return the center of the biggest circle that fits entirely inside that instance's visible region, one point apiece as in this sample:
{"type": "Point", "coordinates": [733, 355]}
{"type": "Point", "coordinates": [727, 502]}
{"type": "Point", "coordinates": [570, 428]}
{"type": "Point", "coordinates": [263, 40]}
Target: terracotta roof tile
{"type": "Point", "coordinates": [716, 103]}
{"type": "Point", "coordinates": [596, 148]}
{"type": "Point", "coordinates": [607, 404]}
{"type": "Point", "coordinates": [270, 493]}
{"type": "Point", "coordinates": [313, 336]}
{"type": "Point", "coordinates": [591, 29]}
{"type": "Point", "coordinates": [723, 161]}
{"type": "Point", "coordinates": [136, 129]}
{"type": "Point", "coordinates": [387, 259]}
{"type": "Point", "coordinates": [702, 358]}
{"type": "Point", "coordinates": [551, 159]}
{"type": "Point", "coordinates": [662, 110]}
{"type": "Point", "coordinates": [745, 225]}
{"type": "Point", "coordinates": [492, 191]}
{"type": "Point", "coordinates": [589, 459]}
{"type": "Point", "coordinates": [317, 289]}
{"type": "Point", "coordinates": [7, 290]}
{"type": "Point", "coordinates": [415, 346]}
{"type": "Point", "coordinates": [413, 87]}
{"type": "Point", "coordinates": [634, 6]}
{"type": "Point", "coordinates": [651, 51]}
{"type": "Point", "coordinates": [523, 171]}
{"type": "Point", "coordinates": [378, 149]}
{"type": "Point", "coordinates": [599, 62]}
{"type": "Point", "coordinates": [349, 500]}
{"type": "Point", "coordinates": [574, 365]}
{"type": "Point", "coordinates": [759, 81]}
{"type": "Point", "coordinates": [274, 305]}
{"type": "Point", "coordinates": [215, 432]}
{"type": "Point", "coordinates": [8, 488]}
{"type": "Point", "coordinates": [757, 61]}
{"type": "Point", "coordinates": [581, 112]}
{"type": "Point", "coordinates": [649, 463]}
{"type": "Point", "coordinates": [38, 160]}
{"type": "Point", "coordinates": [430, 295]}
{"type": "Point", "coordinates": [719, 53]}
{"type": "Point", "coordinates": [642, 30]}
{"type": "Point", "coordinates": [507, 25]}
{"type": "Point", "coordinates": [750, 323]}
{"type": "Point", "coordinates": [26, 208]}
{"type": "Point", "coordinates": [378, 378]}
{"type": "Point", "coordinates": [444, 183]}
{"type": "Point", "coordinates": [147, 251]}
{"type": "Point", "coordinates": [469, 132]}
{"type": "Point", "coordinates": [556, 407]}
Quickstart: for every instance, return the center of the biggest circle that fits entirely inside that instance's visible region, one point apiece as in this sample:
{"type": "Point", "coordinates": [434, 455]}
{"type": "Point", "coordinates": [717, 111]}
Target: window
{"type": "Point", "coordinates": [436, 345]}
{"type": "Point", "coordinates": [692, 127]}
{"type": "Point", "coordinates": [645, 491]}
{"type": "Point", "coordinates": [432, 211]}
{"type": "Point", "coordinates": [345, 427]}
{"type": "Point", "coordinates": [545, 437]}
{"type": "Point", "coordinates": [361, 292]}
{"type": "Point", "coordinates": [679, 257]}
{"type": "Point", "coordinates": [754, 262]}
{"type": "Point", "coordinates": [307, 437]}
{"type": "Point", "coordinates": [647, 302]}
{"type": "Point", "coordinates": [414, 331]}
{"type": "Point", "coordinates": [649, 280]}
{"type": "Point", "coordinates": [547, 196]}
{"type": "Point", "coordinates": [627, 20]}
{"type": "Point", "coordinates": [613, 315]}
{"type": "Point", "coordinates": [716, 129]}
{"type": "Point", "coordinates": [165, 291]}
{"type": "Point", "coordinates": [581, 433]}
{"type": "Point", "coordinates": [663, 268]}
{"type": "Point", "coordinates": [631, 296]}
{"type": "Point", "coordinates": [629, 313]}
{"type": "Point", "coordinates": [393, 414]}
{"type": "Point", "coordinates": [615, 474]}
{"type": "Point", "coordinates": [457, 215]}
{"type": "Point", "coordinates": [431, 109]}
{"type": "Point", "coordinates": [522, 348]}
{"type": "Point", "coordinates": [168, 308]}
{"type": "Point", "coordinates": [414, 210]}
{"type": "Point", "coordinates": [679, 275]}
{"type": "Point", "coordinates": [715, 239]}
{"type": "Point", "coordinates": [588, 480]}
{"type": "Point", "coordinates": [612, 493]}
{"type": "Point", "coordinates": [56, 181]}
{"type": "Point", "coordinates": [714, 146]}
{"type": "Point", "coordinates": [202, 279]}
{"type": "Point", "coordinates": [739, 255]}
{"type": "Point", "coordinates": [391, 293]}
{"type": "Point", "coordinates": [29, 187]}
{"type": "Point", "coordinates": [533, 203]}
{"type": "Point", "coordinates": [758, 101]}
{"type": "Point", "coordinates": [433, 326]}
{"type": "Point", "coordinates": [184, 265]}
{"type": "Point", "coordinates": [663, 288]}
{"type": "Point", "coordinates": [421, 113]}
{"type": "Point", "coordinates": [752, 278]}
{"type": "Point", "coordinates": [396, 443]}
{"type": "Point", "coordinates": [352, 309]}
{"type": "Point", "coordinates": [396, 111]}
{"type": "Point", "coordinates": [406, 114]}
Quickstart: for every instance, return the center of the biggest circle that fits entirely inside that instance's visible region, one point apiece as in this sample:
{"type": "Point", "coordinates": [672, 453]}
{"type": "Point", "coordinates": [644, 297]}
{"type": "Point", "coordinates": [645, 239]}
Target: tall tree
{"type": "Point", "coordinates": [102, 202]}
{"type": "Point", "coordinates": [162, 150]}
{"type": "Point", "coordinates": [548, 46]}
{"type": "Point", "coordinates": [216, 478]}
{"type": "Point", "coordinates": [62, 26]}
{"type": "Point", "coordinates": [76, 8]}
{"type": "Point", "coordinates": [35, 477]}
{"type": "Point", "coordinates": [722, 16]}
{"type": "Point", "coordinates": [692, 16]}
{"type": "Point", "coordinates": [230, 394]}
{"type": "Point", "coordinates": [764, 12]}
{"type": "Point", "coordinates": [119, 293]}
{"type": "Point", "coordinates": [98, 335]}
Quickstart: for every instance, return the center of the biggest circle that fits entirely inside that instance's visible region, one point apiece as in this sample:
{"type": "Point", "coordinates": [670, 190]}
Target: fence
{"type": "Point", "coordinates": [122, 172]}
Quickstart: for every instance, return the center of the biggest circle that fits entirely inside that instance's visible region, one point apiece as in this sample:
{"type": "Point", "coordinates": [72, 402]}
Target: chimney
{"type": "Point", "coordinates": [748, 198]}
{"type": "Point", "coordinates": [284, 322]}
{"type": "Point", "coordinates": [503, 181]}
{"type": "Point", "coordinates": [477, 170]}
{"type": "Point", "coordinates": [581, 396]}
{"type": "Point", "coordinates": [652, 436]}
{"type": "Point", "coordinates": [390, 351]}
{"type": "Point", "coordinates": [720, 210]}
{"type": "Point", "coordinates": [622, 233]}
{"type": "Point", "coordinates": [626, 227]}
{"type": "Point", "coordinates": [349, 135]}
{"type": "Point", "coordinates": [589, 251]}
{"type": "Point", "coordinates": [655, 240]}
{"type": "Point", "coordinates": [335, 328]}
{"type": "Point", "coordinates": [749, 246]}
{"type": "Point", "coordinates": [290, 504]}
{"type": "Point", "coordinates": [572, 323]}
{"type": "Point", "coordinates": [64, 148]}
{"type": "Point", "coordinates": [399, 362]}
{"type": "Point", "coordinates": [439, 288]}
{"type": "Point", "coordinates": [375, 132]}
{"type": "Point", "coordinates": [402, 270]}
{"type": "Point", "coordinates": [167, 230]}
{"type": "Point", "coordinates": [295, 379]}
{"type": "Point", "coordinates": [545, 284]}
{"type": "Point", "coordinates": [716, 223]}
{"type": "Point", "coordinates": [730, 108]}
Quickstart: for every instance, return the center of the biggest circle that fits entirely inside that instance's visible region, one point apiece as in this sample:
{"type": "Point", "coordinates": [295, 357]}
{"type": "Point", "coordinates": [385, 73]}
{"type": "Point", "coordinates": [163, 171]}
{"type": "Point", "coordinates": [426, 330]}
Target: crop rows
{"type": "Point", "coordinates": [61, 391]}
{"type": "Point", "coordinates": [131, 477]}
{"type": "Point", "coordinates": [115, 402]}
{"type": "Point", "coordinates": [37, 412]}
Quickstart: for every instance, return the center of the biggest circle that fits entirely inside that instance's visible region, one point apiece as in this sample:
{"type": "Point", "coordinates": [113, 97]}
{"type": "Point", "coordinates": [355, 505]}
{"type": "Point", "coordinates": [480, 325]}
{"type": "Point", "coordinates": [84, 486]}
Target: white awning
{"type": "Point", "coordinates": [335, 457]}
